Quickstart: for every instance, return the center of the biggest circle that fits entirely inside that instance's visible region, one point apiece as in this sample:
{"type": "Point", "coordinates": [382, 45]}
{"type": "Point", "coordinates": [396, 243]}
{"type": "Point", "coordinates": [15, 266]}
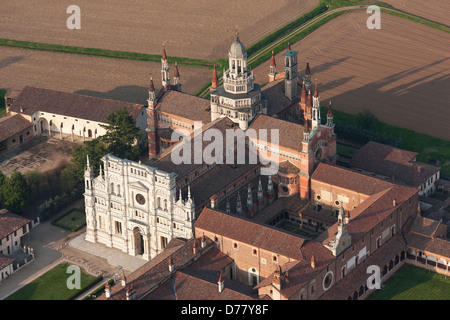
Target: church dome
{"type": "Point", "coordinates": [237, 49]}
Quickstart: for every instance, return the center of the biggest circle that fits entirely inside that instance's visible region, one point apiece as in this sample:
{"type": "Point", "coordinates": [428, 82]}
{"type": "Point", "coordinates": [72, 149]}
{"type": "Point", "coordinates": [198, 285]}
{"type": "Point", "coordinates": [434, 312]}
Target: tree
{"type": "Point", "coordinates": [2, 182]}
{"type": "Point", "coordinates": [366, 120]}
{"type": "Point", "coordinates": [15, 193]}
{"type": "Point", "coordinates": [35, 179]}
{"type": "Point", "coordinates": [96, 149]}
{"type": "Point", "coordinates": [68, 180]}
{"type": "Point", "coordinates": [122, 135]}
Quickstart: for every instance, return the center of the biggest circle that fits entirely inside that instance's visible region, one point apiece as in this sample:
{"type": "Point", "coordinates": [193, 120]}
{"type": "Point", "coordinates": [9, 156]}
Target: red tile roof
{"type": "Point", "coordinates": [185, 106]}
{"type": "Point", "coordinates": [358, 276]}
{"type": "Point", "coordinates": [290, 134]}
{"type": "Point", "coordinates": [69, 104]}
{"type": "Point", "coordinates": [188, 285]}
{"type": "Point", "coordinates": [250, 232]}
{"type": "Point", "coordinates": [11, 125]}
{"type": "Point", "coordinates": [10, 222]}
{"type": "Point", "coordinates": [348, 179]}
{"type": "Point", "coordinates": [5, 261]}
{"type": "Point", "coordinates": [393, 163]}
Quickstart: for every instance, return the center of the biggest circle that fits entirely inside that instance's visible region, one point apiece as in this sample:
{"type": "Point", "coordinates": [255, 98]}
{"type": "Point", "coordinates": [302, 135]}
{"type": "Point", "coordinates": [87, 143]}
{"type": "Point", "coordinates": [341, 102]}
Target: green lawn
{"type": "Point", "coordinates": [53, 286]}
{"type": "Point", "coordinates": [414, 283]}
{"type": "Point", "coordinates": [72, 220]}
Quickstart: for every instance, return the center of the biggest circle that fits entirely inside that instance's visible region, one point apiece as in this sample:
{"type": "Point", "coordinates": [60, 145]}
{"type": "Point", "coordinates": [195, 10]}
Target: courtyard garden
{"type": "Point", "coordinates": [414, 283]}
{"type": "Point", "coordinates": [73, 220]}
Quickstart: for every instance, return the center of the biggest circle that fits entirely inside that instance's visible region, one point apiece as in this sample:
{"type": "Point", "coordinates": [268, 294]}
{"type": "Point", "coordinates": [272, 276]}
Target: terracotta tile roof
{"type": "Point", "coordinates": [185, 105]}
{"type": "Point", "coordinates": [424, 226]}
{"type": "Point", "coordinates": [393, 163]}
{"type": "Point", "coordinates": [11, 125]}
{"type": "Point", "coordinates": [358, 276]}
{"type": "Point", "coordinates": [436, 245]}
{"type": "Point", "coordinates": [290, 134]}
{"type": "Point", "coordinates": [165, 161]}
{"type": "Point", "coordinates": [348, 179]}
{"type": "Point", "coordinates": [277, 102]}
{"type": "Point", "coordinates": [156, 271]}
{"type": "Point", "coordinates": [69, 104]}
{"type": "Point", "coordinates": [371, 211]}
{"type": "Point", "coordinates": [250, 232]}
{"type": "Point", "coordinates": [300, 273]}
{"type": "Point", "coordinates": [287, 167]}
{"type": "Point", "coordinates": [5, 261]}
{"type": "Point", "coordinates": [208, 184]}
{"type": "Point", "coordinates": [10, 222]}
{"type": "Point", "coordinates": [188, 285]}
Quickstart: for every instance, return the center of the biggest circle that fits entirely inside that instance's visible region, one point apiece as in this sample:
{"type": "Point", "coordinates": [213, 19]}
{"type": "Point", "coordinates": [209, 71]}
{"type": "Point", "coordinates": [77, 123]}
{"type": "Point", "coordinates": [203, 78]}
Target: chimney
{"type": "Point", "coordinates": [171, 267]}
{"type": "Point", "coordinates": [313, 262]}
{"type": "Point", "coordinates": [221, 283]}
{"type": "Point", "coordinates": [203, 243]}
{"type": "Point", "coordinates": [124, 279]}
{"type": "Point", "coordinates": [394, 202]}
{"type": "Point", "coordinates": [194, 247]}
{"type": "Point", "coordinates": [107, 290]}
{"type": "Point", "coordinates": [129, 292]}
{"type": "Point", "coordinates": [276, 280]}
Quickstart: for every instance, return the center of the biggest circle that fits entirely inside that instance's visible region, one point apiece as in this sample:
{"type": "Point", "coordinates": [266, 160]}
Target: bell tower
{"type": "Point", "coordinates": [290, 71]}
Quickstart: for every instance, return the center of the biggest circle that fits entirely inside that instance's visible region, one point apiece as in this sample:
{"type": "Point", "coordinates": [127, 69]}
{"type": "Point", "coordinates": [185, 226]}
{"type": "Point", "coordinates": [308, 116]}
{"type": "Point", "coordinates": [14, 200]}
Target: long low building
{"type": "Point", "coordinates": [52, 111]}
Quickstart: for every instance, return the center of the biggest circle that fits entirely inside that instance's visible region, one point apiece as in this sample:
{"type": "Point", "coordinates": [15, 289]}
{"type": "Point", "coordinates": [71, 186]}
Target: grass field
{"type": "Point", "coordinates": [414, 283]}
{"type": "Point", "coordinates": [53, 286]}
{"type": "Point", "coordinates": [72, 220]}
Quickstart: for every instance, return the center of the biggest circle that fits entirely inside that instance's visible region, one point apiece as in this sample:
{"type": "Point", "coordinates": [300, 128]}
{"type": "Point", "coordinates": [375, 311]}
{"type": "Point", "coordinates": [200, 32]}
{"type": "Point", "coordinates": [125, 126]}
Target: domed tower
{"type": "Point", "coordinates": [238, 98]}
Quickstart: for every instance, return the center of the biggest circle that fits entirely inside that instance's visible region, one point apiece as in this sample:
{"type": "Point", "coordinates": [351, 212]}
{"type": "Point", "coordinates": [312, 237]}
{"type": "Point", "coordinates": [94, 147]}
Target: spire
{"type": "Point", "coordinates": [249, 197]}
{"type": "Point", "coordinates": [124, 279]}
{"type": "Point", "coordinates": [307, 71]}
{"type": "Point", "coordinates": [316, 90]}
{"type": "Point", "coordinates": [181, 197]}
{"type": "Point", "coordinates": [215, 80]}
{"type": "Point", "coordinates": [272, 61]}
{"type": "Point", "coordinates": [303, 94]}
{"type": "Point", "coordinates": [330, 110]}
{"type": "Point", "coordinates": [88, 167]}
{"type": "Point", "coordinates": [164, 55]}
{"type": "Point", "coordinates": [151, 87]}
{"type": "Point", "coordinates": [309, 102]}
{"type": "Point", "coordinates": [101, 173]}
{"type": "Point", "coordinates": [288, 47]}
{"type": "Point", "coordinates": [238, 204]}
{"type": "Point", "coordinates": [189, 193]}
{"type": "Point", "coordinates": [176, 73]}
{"type": "Point", "coordinates": [260, 190]}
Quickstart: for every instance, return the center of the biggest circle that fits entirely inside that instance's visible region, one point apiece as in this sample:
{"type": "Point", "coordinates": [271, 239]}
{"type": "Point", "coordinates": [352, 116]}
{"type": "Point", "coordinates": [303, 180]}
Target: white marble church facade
{"type": "Point", "coordinates": [133, 207]}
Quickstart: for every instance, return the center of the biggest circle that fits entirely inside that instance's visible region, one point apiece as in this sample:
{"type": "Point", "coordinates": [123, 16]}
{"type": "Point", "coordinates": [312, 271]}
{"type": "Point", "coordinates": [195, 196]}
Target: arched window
{"type": "Point", "coordinates": [158, 202]}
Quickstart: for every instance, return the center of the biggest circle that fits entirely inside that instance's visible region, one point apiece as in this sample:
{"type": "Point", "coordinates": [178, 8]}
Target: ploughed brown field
{"type": "Point", "coordinates": [202, 29]}
{"type": "Point", "coordinates": [434, 10]}
{"type": "Point", "coordinates": [400, 72]}
{"type": "Point", "coordinates": [116, 79]}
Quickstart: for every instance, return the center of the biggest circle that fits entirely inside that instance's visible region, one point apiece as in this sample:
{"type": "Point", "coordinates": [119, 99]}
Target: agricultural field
{"type": "Point", "coordinates": [201, 29]}
{"type": "Point", "coordinates": [434, 10]}
{"type": "Point", "coordinates": [117, 79]}
{"type": "Point", "coordinates": [414, 283]}
{"type": "Point", "coordinates": [52, 285]}
{"type": "Point", "coordinates": [399, 72]}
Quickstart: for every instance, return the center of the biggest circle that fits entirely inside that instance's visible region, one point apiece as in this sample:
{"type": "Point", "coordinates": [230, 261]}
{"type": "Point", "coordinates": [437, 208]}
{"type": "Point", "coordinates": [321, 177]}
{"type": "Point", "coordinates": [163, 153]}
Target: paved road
{"type": "Point", "coordinates": [52, 245]}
